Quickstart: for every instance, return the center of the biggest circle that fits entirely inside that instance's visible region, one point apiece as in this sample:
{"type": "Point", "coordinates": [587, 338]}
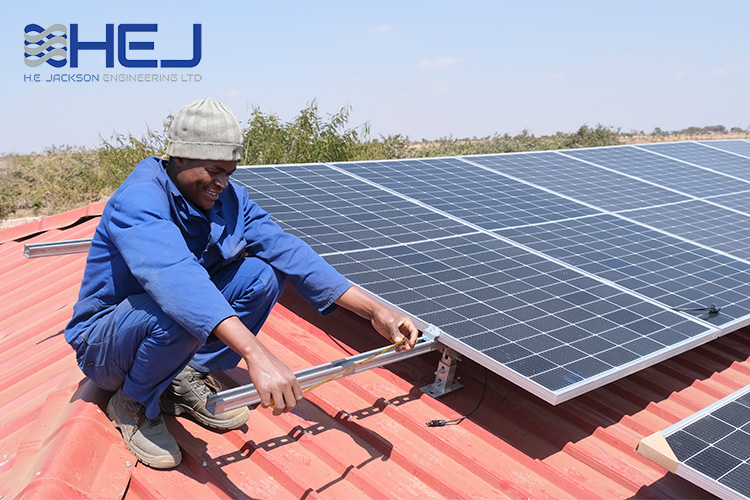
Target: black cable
{"type": "Point", "coordinates": [709, 310]}
{"type": "Point", "coordinates": [456, 421]}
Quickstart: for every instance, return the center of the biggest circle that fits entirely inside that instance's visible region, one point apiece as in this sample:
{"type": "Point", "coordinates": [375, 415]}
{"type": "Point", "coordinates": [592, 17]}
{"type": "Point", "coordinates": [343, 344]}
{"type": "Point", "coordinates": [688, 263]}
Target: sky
{"type": "Point", "coordinates": [423, 69]}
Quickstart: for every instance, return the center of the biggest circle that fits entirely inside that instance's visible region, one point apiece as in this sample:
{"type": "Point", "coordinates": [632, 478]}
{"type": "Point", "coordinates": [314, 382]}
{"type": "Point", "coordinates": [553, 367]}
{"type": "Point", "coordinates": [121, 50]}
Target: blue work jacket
{"type": "Point", "coordinates": [150, 239]}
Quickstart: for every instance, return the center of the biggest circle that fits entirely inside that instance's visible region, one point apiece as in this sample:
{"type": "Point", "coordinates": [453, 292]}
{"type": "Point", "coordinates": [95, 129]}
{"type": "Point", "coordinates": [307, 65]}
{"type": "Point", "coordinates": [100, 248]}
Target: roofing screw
{"type": "Point", "coordinates": [205, 464]}
{"type": "Point", "coordinates": [127, 464]}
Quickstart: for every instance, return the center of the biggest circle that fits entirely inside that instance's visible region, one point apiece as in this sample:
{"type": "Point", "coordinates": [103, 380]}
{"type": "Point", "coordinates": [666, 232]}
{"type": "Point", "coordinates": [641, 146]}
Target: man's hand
{"type": "Point", "coordinates": [387, 322]}
{"type": "Point", "coordinates": [272, 378]}
{"type": "Point", "coordinates": [274, 381]}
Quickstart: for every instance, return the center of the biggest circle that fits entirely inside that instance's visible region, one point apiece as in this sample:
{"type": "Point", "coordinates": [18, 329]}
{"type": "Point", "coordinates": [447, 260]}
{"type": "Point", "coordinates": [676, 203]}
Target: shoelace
{"type": "Point", "coordinates": [209, 385]}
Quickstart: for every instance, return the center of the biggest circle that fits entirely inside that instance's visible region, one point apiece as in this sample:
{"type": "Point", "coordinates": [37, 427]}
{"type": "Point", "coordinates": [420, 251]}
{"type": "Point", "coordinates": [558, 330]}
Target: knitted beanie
{"type": "Point", "coordinates": [205, 130]}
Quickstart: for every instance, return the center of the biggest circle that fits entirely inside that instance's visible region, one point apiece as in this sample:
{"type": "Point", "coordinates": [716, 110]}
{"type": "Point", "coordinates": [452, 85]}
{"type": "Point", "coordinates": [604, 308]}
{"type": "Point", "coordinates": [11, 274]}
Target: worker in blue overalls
{"type": "Point", "coordinates": [182, 272]}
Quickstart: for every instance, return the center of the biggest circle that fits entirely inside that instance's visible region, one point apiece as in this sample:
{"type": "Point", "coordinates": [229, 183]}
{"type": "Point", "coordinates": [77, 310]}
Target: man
{"type": "Point", "coordinates": [182, 272]}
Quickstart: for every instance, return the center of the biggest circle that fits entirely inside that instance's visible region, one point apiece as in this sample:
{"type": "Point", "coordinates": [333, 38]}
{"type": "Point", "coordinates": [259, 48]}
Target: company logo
{"type": "Point", "coordinates": [58, 46]}
{"type": "Point", "coordinates": [45, 46]}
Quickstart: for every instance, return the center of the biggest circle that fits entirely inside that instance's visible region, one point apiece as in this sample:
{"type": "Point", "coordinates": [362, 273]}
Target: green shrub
{"type": "Point", "coordinates": [307, 138]}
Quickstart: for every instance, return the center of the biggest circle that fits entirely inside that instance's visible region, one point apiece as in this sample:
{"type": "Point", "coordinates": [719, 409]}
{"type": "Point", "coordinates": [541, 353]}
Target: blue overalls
{"type": "Point", "coordinates": [161, 275]}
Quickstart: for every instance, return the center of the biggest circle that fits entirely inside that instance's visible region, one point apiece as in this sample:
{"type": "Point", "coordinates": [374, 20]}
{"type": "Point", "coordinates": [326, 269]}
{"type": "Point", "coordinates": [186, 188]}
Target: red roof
{"type": "Point", "coordinates": [363, 436]}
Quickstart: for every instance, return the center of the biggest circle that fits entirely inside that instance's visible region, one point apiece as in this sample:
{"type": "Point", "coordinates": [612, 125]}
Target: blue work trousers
{"type": "Point", "coordinates": [141, 349]}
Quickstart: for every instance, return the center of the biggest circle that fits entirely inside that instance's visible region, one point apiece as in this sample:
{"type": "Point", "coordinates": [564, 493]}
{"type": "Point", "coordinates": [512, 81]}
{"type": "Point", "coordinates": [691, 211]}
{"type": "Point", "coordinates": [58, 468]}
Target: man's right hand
{"type": "Point", "coordinates": [272, 378]}
{"type": "Point", "coordinates": [276, 384]}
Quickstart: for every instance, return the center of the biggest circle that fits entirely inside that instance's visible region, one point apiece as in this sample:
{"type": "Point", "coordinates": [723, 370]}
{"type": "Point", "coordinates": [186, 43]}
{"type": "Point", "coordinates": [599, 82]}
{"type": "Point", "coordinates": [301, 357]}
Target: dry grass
{"type": "Point", "coordinates": [649, 138]}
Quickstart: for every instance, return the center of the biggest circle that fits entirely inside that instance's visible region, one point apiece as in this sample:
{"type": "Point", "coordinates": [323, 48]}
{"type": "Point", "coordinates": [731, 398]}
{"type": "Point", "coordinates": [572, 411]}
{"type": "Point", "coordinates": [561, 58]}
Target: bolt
{"type": "Point", "coordinates": [205, 464]}
{"type": "Point", "coordinates": [5, 457]}
{"type": "Point", "coordinates": [127, 464]}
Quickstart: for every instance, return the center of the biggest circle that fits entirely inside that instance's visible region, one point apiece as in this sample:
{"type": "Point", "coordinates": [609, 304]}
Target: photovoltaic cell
{"type": "Point", "coordinates": [686, 179]}
{"type": "Point", "coordinates": [675, 273]}
{"type": "Point", "coordinates": [513, 310]}
{"type": "Point", "coordinates": [713, 446]}
{"type": "Point", "coordinates": [579, 180]}
{"type": "Point", "coordinates": [700, 222]}
{"type": "Point", "coordinates": [489, 200]}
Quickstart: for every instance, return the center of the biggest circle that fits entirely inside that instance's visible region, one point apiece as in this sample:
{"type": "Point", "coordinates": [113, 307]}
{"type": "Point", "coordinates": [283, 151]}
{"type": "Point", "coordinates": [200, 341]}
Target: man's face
{"type": "Point", "coordinates": [200, 181]}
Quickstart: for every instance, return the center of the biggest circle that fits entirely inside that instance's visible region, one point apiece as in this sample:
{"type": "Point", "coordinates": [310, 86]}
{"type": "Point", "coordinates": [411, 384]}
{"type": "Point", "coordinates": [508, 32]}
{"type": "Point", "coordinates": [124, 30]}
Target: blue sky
{"type": "Point", "coordinates": [425, 69]}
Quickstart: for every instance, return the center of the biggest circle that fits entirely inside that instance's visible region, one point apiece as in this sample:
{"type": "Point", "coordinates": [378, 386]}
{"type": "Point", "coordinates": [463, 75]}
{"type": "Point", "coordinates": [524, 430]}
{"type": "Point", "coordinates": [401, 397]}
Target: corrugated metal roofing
{"type": "Point", "coordinates": [361, 437]}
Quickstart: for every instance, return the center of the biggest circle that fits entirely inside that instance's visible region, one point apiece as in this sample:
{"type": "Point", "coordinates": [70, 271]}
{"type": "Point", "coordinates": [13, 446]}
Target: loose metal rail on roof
{"type": "Point", "coordinates": [50, 248]}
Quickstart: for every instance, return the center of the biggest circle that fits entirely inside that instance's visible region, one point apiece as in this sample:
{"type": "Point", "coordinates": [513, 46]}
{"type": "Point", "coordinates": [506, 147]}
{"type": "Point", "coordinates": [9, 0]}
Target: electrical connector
{"type": "Point", "coordinates": [436, 423]}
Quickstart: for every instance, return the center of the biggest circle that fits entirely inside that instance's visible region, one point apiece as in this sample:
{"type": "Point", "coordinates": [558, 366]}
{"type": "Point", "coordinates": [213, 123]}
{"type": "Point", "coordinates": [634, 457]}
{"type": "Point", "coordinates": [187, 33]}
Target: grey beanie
{"type": "Point", "coordinates": [205, 130]}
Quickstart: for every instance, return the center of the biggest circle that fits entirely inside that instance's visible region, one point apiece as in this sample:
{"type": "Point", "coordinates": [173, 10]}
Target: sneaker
{"type": "Point", "coordinates": [147, 439]}
{"type": "Point", "coordinates": [187, 394]}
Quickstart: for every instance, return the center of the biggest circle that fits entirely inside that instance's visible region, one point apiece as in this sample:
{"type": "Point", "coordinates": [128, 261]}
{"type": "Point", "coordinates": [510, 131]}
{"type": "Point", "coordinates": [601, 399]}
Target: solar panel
{"type": "Point", "coordinates": [559, 273]}
{"type": "Point", "coordinates": [713, 160]}
{"type": "Point", "coordinates": [739, 201]}
{"type": "Point", "coordinates": [467, 191]}
{"type": "Point", "coordinates": [716, 227]}
{"type": "Point", "coordinates": [663, 268]}
{"type": "Point", "coordinates": [552, 330]}
{"type": "Point", "coordinates": [710, 448]}
{"type": "Point", "coordinates": [579, 180]}
{"type": "Point", "coordinates": [674, 174]}
{"type": "Point", "coordinates": [737, 147]}
{"type": "Point", "coordinates": [333, 212]}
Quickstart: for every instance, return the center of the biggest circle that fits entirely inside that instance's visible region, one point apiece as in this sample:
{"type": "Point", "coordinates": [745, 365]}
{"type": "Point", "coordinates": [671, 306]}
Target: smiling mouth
{"type": "Point", "coordinates": [214, 195]}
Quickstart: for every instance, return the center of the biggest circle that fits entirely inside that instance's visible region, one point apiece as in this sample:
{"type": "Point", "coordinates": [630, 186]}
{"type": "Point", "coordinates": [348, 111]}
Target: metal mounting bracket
{"type": "Point", "coordinates": [445, 375]}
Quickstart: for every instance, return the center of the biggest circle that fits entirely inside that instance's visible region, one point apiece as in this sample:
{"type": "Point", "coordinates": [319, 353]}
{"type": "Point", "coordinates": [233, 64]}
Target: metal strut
{"type": "Point", "coordinates": [31, 250]}
{"type": "Point", "coordinates": [247, 395]}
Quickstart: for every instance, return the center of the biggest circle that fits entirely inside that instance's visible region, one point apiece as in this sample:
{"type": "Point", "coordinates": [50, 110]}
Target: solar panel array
{"type": "Point", "coordinates": [712, 446]}
{"type": "Point", "coordinates": [559, 270]}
